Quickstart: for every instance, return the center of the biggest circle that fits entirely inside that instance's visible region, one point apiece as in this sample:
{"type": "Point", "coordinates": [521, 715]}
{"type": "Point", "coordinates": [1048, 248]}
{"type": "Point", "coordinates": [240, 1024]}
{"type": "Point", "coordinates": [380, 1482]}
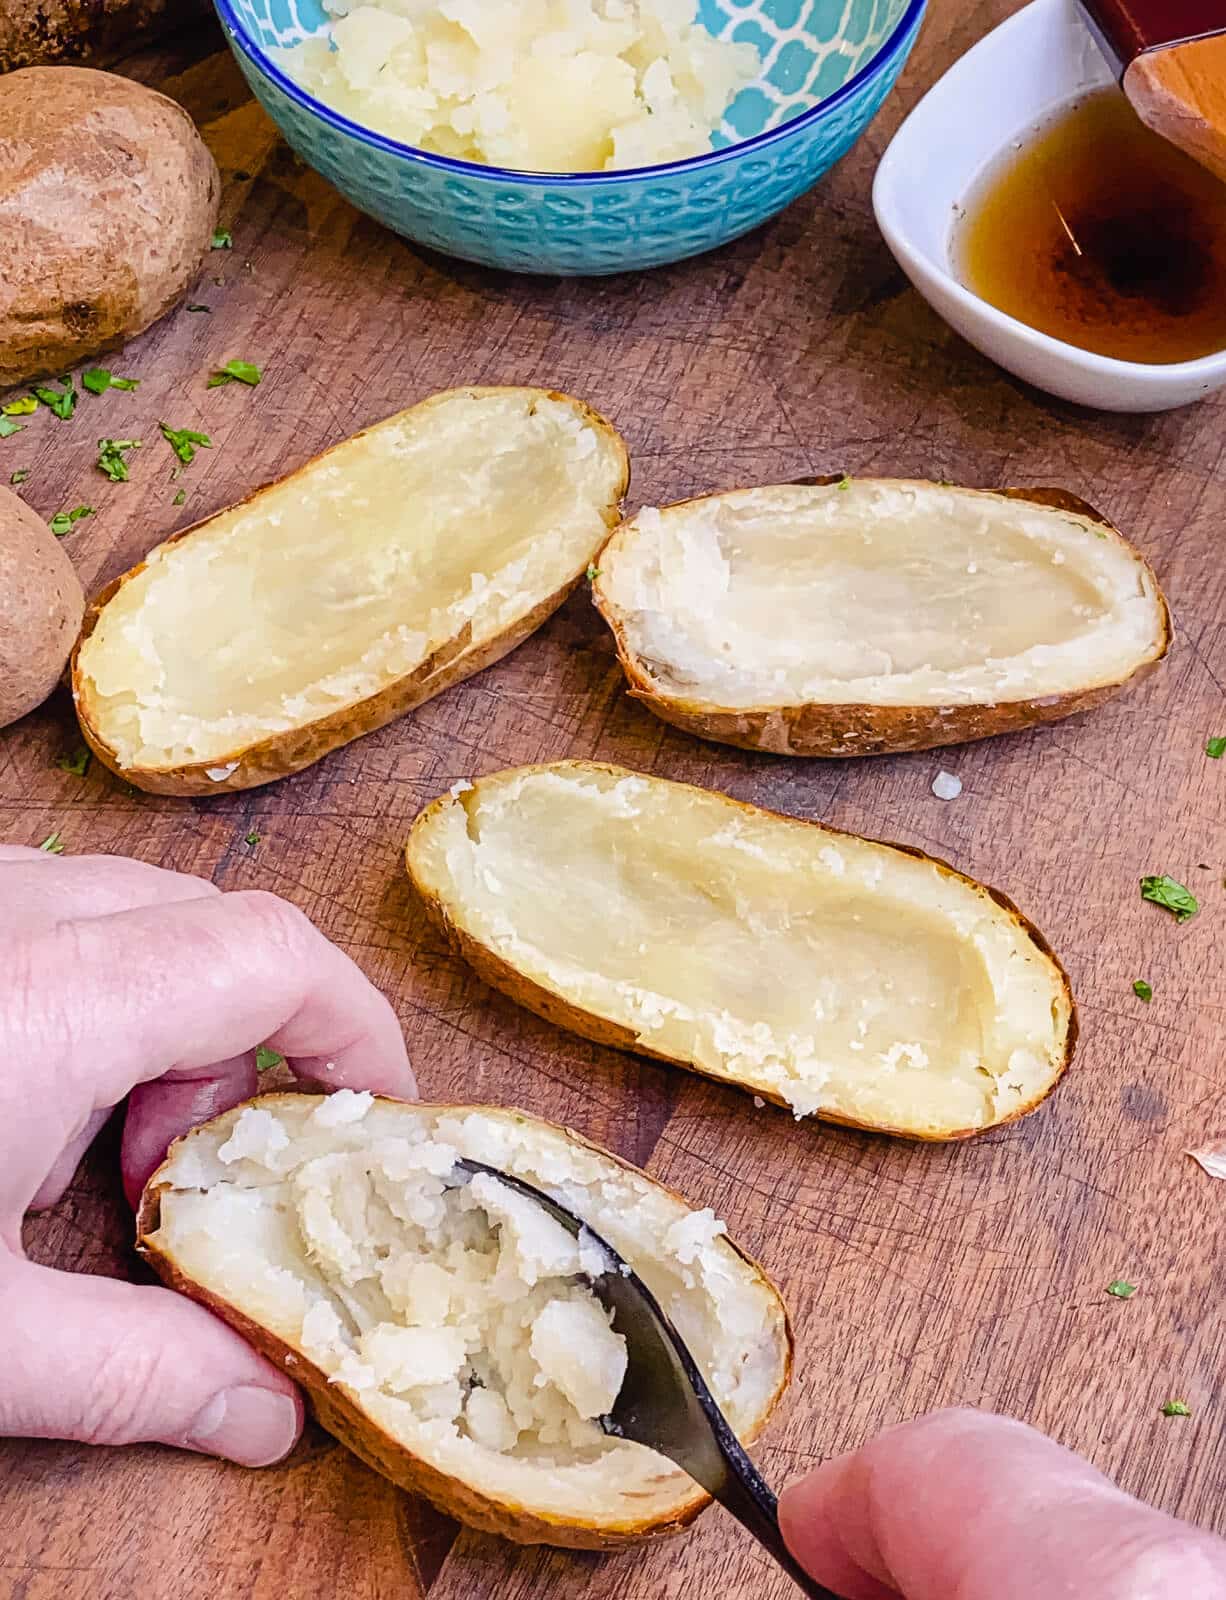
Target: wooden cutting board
{"type": "Point", "coordinates": [918, 1276]}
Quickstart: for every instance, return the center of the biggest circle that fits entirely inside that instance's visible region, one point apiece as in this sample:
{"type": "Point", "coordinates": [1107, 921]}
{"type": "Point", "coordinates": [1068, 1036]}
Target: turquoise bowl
{"type": "Point", "coordinates": [826, 67]}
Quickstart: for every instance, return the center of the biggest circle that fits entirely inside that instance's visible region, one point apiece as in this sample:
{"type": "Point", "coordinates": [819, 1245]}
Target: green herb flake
{"type": "Point", "coordinates": [593, 572]}
{"type": "Point", "coordinates": [111, 457]}
{"type": "Point", "coordinates": [77, 763]}
{"type": "Point", "coordinates": [1171, 896]}
{"type": "Point", "coordinates": [1215, 749]}
{"type": "Point", "coordinates": [98, 380]}
{"type": "Point", "coordinates": [179, 498]}
{"type": "Point", "coordinates": [61, 523]}
{"type": "Point", "coordinates": [844, 483]}
{"type": "Point", "coordinates": [195, 306]}
{"type": "Point", "coordinates": [236, 372]}
{"type": "Point", "coordinates": [1143, 990]}
{"type": "Point", "coordinates": [25, 407]}
{"type": "Point", "coordinates": [1121, 1290]}
{"type": "Point", "coordinates": [252, 839]}
{"type": "Point", "coordinates": [1177, 1408]}
{"type": "Point", "coordinates": [60, 402]}
{"type": "Point", "coordinates": [19, 476]}
{"type": "Point", "coordinates": [53, 844]}
{"type": "Point", "coordinates": [223, 239]}
{"type": "Point", "coordinates": [266, 1059]}
{"type": "Point", "coordinates": [8, 428]}
{"type": "Point", "coordinates": [183, 441]}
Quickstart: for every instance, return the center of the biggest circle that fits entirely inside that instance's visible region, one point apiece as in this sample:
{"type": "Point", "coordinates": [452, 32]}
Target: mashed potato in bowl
{"type": "Point", "coordinates": [534, 85]}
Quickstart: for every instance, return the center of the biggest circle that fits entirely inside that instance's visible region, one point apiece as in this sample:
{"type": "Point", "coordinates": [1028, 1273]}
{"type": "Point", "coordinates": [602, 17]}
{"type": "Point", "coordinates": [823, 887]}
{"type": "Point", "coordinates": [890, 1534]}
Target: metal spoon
{"type": "Point", "coordinates": [664, 1401]}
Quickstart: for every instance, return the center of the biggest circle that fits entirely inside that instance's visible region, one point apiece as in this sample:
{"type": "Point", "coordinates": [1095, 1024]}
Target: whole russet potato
{"type": "Point", "coordinates": [41, 605]}
{"type": "Point", "coordinates": [109, 198]}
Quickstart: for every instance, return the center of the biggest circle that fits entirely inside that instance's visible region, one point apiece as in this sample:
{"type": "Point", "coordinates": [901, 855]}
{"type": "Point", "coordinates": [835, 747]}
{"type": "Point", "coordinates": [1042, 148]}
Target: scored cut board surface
{"type": "Point", "coordinates": [917, 1276]}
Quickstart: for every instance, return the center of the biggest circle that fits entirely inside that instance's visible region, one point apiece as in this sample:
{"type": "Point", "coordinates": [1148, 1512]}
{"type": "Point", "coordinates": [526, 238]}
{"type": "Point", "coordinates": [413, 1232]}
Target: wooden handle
{"type": "Point", "coordinates": [1181, 94]}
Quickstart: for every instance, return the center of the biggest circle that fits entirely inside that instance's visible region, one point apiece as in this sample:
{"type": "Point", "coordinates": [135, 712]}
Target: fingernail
{"type": "Point", "coordinates": [252, 1426]}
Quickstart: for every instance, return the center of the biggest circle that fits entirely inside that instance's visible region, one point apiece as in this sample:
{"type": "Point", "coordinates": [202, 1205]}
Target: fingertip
{"type": "Point", "coordinates": [823, 1521]}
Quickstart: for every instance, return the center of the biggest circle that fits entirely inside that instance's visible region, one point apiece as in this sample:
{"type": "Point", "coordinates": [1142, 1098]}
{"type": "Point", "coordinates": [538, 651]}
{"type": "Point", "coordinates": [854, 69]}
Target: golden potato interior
{"type": "Point", "coordinates": [876, 593]}
{"type": "Point", "coordinates": [836, 975]}
{"type": "Point", "coordinates": [415, 542]}
{"type": "Point", "coordinates": [456, 1317]}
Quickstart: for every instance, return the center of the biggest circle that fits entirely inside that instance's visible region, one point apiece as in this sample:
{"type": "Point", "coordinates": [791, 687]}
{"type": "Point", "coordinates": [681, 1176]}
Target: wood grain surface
{"type": "Point", "coordinates": [918, 1276]}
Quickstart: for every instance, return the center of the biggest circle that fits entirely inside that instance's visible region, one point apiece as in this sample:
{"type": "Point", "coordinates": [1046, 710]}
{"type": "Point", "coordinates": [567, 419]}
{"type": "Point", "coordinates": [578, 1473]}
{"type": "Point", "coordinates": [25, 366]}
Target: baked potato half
{"type": "Point", "coordinates": [447, 1331]}
{"type": "Point", "coordinates": [113, 196]}
{"type": "Point", "coordinates": [329, 603]}
{"type": "Point", "coordinates": [858, 982]}
{"type": "Point", "coordinates": [860, 616]}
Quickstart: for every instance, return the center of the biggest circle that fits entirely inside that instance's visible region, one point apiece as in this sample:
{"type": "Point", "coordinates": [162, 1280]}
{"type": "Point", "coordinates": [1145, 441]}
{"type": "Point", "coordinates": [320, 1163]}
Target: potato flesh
{"type": "Point", "coordinates": [880, 594]}
{"type": "Point", "coordinates": [456, 1316]}
{"type": "Point", "coordinates": [460, 514]}
{"type": "Point", "coordinates": [842, 976]}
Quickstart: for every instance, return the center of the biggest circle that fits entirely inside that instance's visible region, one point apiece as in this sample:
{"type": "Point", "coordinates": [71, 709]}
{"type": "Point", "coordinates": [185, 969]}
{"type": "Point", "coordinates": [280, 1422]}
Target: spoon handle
{"type": "Point", "coordinates": [746, 1495]}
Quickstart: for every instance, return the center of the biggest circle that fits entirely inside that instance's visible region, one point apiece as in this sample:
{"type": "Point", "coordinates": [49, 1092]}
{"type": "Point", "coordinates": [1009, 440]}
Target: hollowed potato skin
{"type": "Point", "coordinates": [283, 754]}
{"type": "Point", "coordinates": [556, 1008]}
{"type": "Point", "coordinates": [837, 731]}
{"type": "Point", "coordinates": [346, 1422]}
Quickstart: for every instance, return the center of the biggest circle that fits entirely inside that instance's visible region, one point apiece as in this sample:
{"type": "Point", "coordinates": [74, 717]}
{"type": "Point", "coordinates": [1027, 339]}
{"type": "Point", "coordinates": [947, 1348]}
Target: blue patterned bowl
{"type": "Point", "coordinates": [826, 67]}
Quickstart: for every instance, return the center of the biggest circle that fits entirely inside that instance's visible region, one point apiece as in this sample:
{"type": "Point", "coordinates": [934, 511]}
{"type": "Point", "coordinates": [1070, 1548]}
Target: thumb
{"type": "Point", "coordinates": [112, 1363]}
{"type": "Point", "coordinates": [964, 1503]}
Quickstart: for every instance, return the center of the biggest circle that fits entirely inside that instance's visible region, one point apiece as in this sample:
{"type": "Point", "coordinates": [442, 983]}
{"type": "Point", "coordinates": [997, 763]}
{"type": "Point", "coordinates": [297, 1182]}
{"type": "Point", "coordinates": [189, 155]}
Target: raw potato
{"type": "Point", "coordinates": [871, 615]}
{"type": "Point", "coordinates": [113, 196]}
{"type": "Point", "coordinates": [859, 982]}
{"type": "Point", "coordinates": [40, 608]}
{"type": "Point", "coordinates": [447, 1335]}
{"type": "Point", "coordinates": [34, 32]}
{"type": "Point", "coordinates": [331, 602]}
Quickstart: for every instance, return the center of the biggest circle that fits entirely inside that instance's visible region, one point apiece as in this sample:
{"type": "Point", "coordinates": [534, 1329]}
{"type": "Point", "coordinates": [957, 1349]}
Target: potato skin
{"type": "Point", "coordinates": [114, 196]}
{"type": "Point", "coordinates": [40, 608]}
{"type": "Point", "coordinates": [286, 753]}
{"type": "Point", "coordinates": [37, 32]}
{"type": "Point", "coordinates": [838, 731]}
{"type": "Point", "coordinates": [393, 1460]}
{"type": "Point", "coordinates": [555, 1008]}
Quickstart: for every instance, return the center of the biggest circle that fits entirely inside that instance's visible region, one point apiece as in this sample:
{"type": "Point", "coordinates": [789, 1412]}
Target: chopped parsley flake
{"type": "Point", "coordinates": [1177, 1408]}
{"type": "Point", "coordinates": [1171, 896]}
{"type": "Point", "coordinates": [1215, 749]}
{"type": "Point", "coordinates": [252, 839]}
{"type": "Point", "coordinates": [196, 306]}
{"type": "Point", "coordinates": [25, 407]}
{"type": "Point", "coordinates": [593, 572]}
{"type": "Point", "coordinates": [110, 457]}
{"type": "Point", "coordinates": [8, 427]}
{"type": "Point", "coordinates": [266, 1059]}
{"type": "Point", "coordinates": [236, 372]}
{"type": "Point", "coordinates": [1143, 990]}
{"type": "Point", "coordinates": [62, 521]}
{"type": "Point", "coordinates": [98, 380]}
{"type": "Point", "coordinates": [53, 844]}
{"type": "Point", "coordinates": [60, 402]}
{"type": "Point", "coordinates": [19, 476]}
{"type": "Point", "coordinates": [183, 441]}
{"type": "Point", "coordinates": [77, 763]}
{"type": "Point", "coordinates": [1122, 1290]}
{"type": "Point", "coordinates": [844, 482]}
{"type": "Point", "coordinates": [179, 498]}
{"type": "Point", "coordinates": [223, 239]}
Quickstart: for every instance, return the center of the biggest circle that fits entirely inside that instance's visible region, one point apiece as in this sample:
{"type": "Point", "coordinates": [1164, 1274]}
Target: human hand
{"type": "Point", "coordinates": [121, 977]}
{"type": "Point", "coordinates": [967, 1505]}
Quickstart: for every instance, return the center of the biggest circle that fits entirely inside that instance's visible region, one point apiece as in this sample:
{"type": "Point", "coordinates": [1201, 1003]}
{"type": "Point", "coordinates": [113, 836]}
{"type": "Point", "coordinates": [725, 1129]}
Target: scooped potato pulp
{"type": "Point", "coordinates": [393, 565]}
{"type": "Point", "coordinates": [915, 614]}
{"type": "Point", "coordinates": [453, 1323]}
{"type": "Point", "coordinates": [840, 977]}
